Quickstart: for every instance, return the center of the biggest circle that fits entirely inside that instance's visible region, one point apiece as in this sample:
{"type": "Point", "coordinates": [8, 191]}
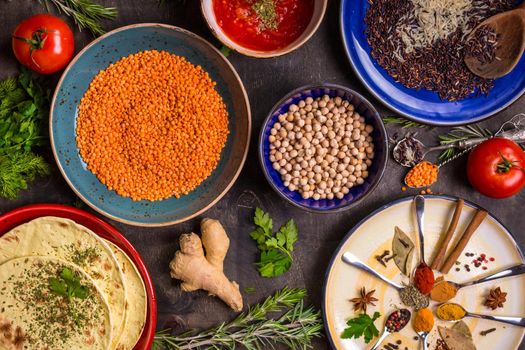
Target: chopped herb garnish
{"type": "Point", "coordinates": [266, 11]}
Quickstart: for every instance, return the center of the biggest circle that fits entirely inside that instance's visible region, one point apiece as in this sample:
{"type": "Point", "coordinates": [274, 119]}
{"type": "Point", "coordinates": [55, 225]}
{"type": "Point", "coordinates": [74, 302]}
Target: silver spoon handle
{"type": "Point", "coordinates": [461, 144]}
{"type": "Point", "coordinates": [351, 259]}
{"type": "Point", "coordinates": [508, 272]}
{"type": "Point", "coordinates": [424, 341]}
{"type": "Point", "coordinates": [441, 147]}
{"type": "Point", "coordinates": [380, 340]}
{"type": "Point", "coordinates": [515, 321]}
{"type": "Point", "coordinates": [420, 211]}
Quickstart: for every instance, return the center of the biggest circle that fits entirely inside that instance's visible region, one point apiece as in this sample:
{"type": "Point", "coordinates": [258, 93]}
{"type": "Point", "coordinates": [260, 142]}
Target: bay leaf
{"type": "Point", "coordinates": [462, 327]}
{"type": "Point", "coordinates": [403, 250]}
{"type": "Point", "coordinates": [456, 340]}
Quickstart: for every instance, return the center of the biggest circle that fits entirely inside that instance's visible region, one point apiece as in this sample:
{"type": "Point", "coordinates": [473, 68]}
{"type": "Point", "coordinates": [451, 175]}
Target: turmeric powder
{"type": "Point", "coordinates": [443, 291]}
{"type": "Point", "coordinates": [424, 320]}
{"type": "Point", "coordinates": [450, 312]}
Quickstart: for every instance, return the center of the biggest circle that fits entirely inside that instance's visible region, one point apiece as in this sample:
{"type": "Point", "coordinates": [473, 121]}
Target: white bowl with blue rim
{"type": "Point", "coordinates": [98, 55]}
{"type": "Point", "coordinates": [375, 171]}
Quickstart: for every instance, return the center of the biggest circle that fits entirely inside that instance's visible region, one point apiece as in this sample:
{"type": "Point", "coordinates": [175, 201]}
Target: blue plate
{"type": "Point", "coordinates": [423, 105]}
{"type": "Point", "coordinates": [357, 193]}
{"type": "Point", "coordinates": [99, 55]}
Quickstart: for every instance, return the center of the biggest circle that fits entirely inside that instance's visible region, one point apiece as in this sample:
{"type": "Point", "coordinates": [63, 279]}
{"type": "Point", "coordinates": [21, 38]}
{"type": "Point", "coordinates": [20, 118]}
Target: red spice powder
{"type": "Point", "coordinates": [424, 278]}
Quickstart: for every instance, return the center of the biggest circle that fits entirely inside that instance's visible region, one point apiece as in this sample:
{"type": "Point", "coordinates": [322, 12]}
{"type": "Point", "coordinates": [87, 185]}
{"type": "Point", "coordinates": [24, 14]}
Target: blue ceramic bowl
{"type": "Point", "coordinates": [99, 55]}
{"type": "Point", "coordinates": [420, 105]}
{"type": "Point", "coordinates": [375, 172]}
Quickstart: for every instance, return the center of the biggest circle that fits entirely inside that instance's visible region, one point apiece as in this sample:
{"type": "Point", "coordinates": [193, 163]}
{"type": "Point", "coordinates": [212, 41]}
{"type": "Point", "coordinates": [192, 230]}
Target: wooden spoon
{"type": "Point", "coordinates": [510, 27]}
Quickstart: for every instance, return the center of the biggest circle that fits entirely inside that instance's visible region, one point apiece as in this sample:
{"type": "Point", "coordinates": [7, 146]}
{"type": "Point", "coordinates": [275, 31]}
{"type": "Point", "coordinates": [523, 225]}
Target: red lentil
{"type": "Point", "coordinates": [152, 126]}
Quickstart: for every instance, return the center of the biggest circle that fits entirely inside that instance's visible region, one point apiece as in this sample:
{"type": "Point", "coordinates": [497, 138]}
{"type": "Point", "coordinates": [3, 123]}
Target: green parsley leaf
{"type": "Point", "coordinates": [275, 257]}
{"type": "Point", "coordinates": [362, 325]}
{"type": "Point", "coordinates": [68, 285]}
{"type": "Point", "coordinates": [264, 221]}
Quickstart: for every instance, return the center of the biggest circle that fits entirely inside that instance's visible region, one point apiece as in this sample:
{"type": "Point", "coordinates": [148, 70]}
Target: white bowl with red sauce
{"type": "Point", "coordinates": [263, 28]}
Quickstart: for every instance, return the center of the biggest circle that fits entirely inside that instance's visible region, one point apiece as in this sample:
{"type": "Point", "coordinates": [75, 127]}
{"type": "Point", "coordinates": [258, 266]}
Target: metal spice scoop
{"type": "Point", "coordinates": [515, 321]}
{"type": "Point", "coordinates": [395, 322]}
{"type": "Point", "coordinates": [410, 151]}
{"type": "Point", "coordinates": [513, 129]}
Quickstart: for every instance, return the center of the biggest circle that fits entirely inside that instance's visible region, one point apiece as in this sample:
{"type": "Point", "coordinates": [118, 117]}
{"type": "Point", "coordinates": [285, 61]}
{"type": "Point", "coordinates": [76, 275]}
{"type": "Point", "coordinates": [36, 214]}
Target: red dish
{"type": "Point", "coordinates": [240, 22]}
{"type": "Point", "coordinates": [25, 214]}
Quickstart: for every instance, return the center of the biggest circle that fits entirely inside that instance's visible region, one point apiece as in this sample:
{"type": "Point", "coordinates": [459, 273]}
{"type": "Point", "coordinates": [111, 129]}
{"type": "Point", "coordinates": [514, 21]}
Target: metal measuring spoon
{"type": "Point", "coordinates": [417, 150]}
{"type": "Point", "coordinates": [515, 321]}
{"type": "Point", "coordinates": [508, 272]}
{"type": "Point", "coordinates": [423, 336]}
{"type": "Point", "coordinates": [351, 259]}
{"type": "Point", "coordinates": [420, 215]}
{"type": "Point", "coordinates": [402, 315]}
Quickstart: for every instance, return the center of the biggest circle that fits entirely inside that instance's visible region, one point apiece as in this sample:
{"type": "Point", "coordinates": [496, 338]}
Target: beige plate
{"type": "Point", "coordinates": [374, 234]}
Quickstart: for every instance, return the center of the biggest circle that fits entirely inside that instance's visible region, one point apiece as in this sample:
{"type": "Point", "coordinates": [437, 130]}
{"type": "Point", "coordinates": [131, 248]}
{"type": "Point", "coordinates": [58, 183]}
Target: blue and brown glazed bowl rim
{"type": "Point", "coordinates": [244, 154]}
{"type": "Point", "coordinates": [383, 139]}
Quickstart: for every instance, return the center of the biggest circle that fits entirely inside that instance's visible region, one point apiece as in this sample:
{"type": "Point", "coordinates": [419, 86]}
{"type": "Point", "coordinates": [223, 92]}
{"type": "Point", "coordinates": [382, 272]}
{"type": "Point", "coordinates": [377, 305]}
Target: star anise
{"type": "Point", "coordinates": [365, 298]}
{"type": "Point", "coordinates": [495, 299]}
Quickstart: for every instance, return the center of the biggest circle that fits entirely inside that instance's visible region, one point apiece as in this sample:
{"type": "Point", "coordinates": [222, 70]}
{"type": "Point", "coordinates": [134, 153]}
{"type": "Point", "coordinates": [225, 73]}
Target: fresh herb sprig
{"type": "Point", "coordinates": [362, 325]}
{"type": "Point", "coordinates": [403, 122]}
{"type": "Point", "coordinates": [86, 13]}
{"type": "Point", "coordinates": [294, 326]}
{"type": "Point", "coordinates": [276, 251]}
{"type": "Point", "coordinates": [24, 108]}
{"type": "Point", "coordinates": [459, 133]}
{"type": "Point", "coordinates": [68, 285]}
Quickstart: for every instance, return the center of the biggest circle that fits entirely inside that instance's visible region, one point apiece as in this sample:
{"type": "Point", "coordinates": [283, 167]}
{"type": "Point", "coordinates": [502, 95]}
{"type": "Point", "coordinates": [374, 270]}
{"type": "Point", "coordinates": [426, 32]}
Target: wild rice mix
{"type": "Point", "coordinates": [422, 43]}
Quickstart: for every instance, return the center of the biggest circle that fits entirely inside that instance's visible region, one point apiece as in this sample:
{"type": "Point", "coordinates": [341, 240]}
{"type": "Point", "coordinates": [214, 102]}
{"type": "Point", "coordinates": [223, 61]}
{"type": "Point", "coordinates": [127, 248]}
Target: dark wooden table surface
{"type": "Point", "coordinates": [322, 59]}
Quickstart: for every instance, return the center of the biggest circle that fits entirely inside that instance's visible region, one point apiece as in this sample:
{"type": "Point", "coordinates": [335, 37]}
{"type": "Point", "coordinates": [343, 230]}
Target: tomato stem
{"type": "Point", "coordinates": [37, 41]}
{"type": "Point", "coordinates": [506, 165]}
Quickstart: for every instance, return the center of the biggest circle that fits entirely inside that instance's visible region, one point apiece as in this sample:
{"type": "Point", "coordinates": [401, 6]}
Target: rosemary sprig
{"type": "Point", "coordinates": [403, 122]}
{"type": "Point", "coordinates": [461, 133]}
{"type": "Point", "coordinates": [294, 326]}
{"type": "Point", "coordinates": [85, 13]}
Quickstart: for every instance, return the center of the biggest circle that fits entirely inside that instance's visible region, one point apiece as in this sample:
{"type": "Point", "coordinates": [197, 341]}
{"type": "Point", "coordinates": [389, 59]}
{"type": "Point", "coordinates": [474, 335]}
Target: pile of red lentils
{"type": "Point", "coordinates": [152, 126]}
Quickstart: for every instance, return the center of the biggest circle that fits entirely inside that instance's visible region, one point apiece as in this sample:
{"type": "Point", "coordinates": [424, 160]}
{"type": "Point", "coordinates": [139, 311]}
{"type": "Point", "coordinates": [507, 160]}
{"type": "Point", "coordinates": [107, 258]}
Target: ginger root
{"type": "Point", "coordinates": [200, 271]}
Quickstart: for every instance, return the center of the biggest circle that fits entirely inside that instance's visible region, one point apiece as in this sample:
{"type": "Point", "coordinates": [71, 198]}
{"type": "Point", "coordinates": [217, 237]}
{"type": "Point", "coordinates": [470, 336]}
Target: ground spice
{"type": "Point", "coordinates": [441, 345]}
{"type": "Point", "coordinates": [438, 67]}
{"type": "Point", "coordinates": [422, 175]}
{"type": "Point", "coordinates": [443, 291]}
{"type": "Point", "coordinates": [397, 320]}
{"type": "Point", "coordinates": [450, 312]}
{"type": "Point", "coordinates": [424, 278]}
{"type": "Point", "coordinates": [152, 126]}
{"type": "Point", "coordinates": [423, 321]}
{"type": "Point", "coordinates": [412, 297]}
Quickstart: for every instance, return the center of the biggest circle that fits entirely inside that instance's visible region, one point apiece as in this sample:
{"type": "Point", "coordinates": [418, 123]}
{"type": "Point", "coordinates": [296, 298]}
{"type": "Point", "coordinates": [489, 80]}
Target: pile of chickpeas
{"type": "Point", "coordinates": [321, 147]}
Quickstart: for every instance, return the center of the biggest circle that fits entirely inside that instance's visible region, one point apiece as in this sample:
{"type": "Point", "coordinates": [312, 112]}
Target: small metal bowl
{"type": "Point", "coordinates": [211, 21]}
{"type": "Point", "coordinates": [357, 193]}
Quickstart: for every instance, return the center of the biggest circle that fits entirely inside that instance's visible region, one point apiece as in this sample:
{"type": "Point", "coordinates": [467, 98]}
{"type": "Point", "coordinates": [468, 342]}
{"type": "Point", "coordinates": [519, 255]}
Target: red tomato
{"type": "Point", "coordinates": [43, 43]}
{"type": "Point", "coordinates": [496, 168]}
